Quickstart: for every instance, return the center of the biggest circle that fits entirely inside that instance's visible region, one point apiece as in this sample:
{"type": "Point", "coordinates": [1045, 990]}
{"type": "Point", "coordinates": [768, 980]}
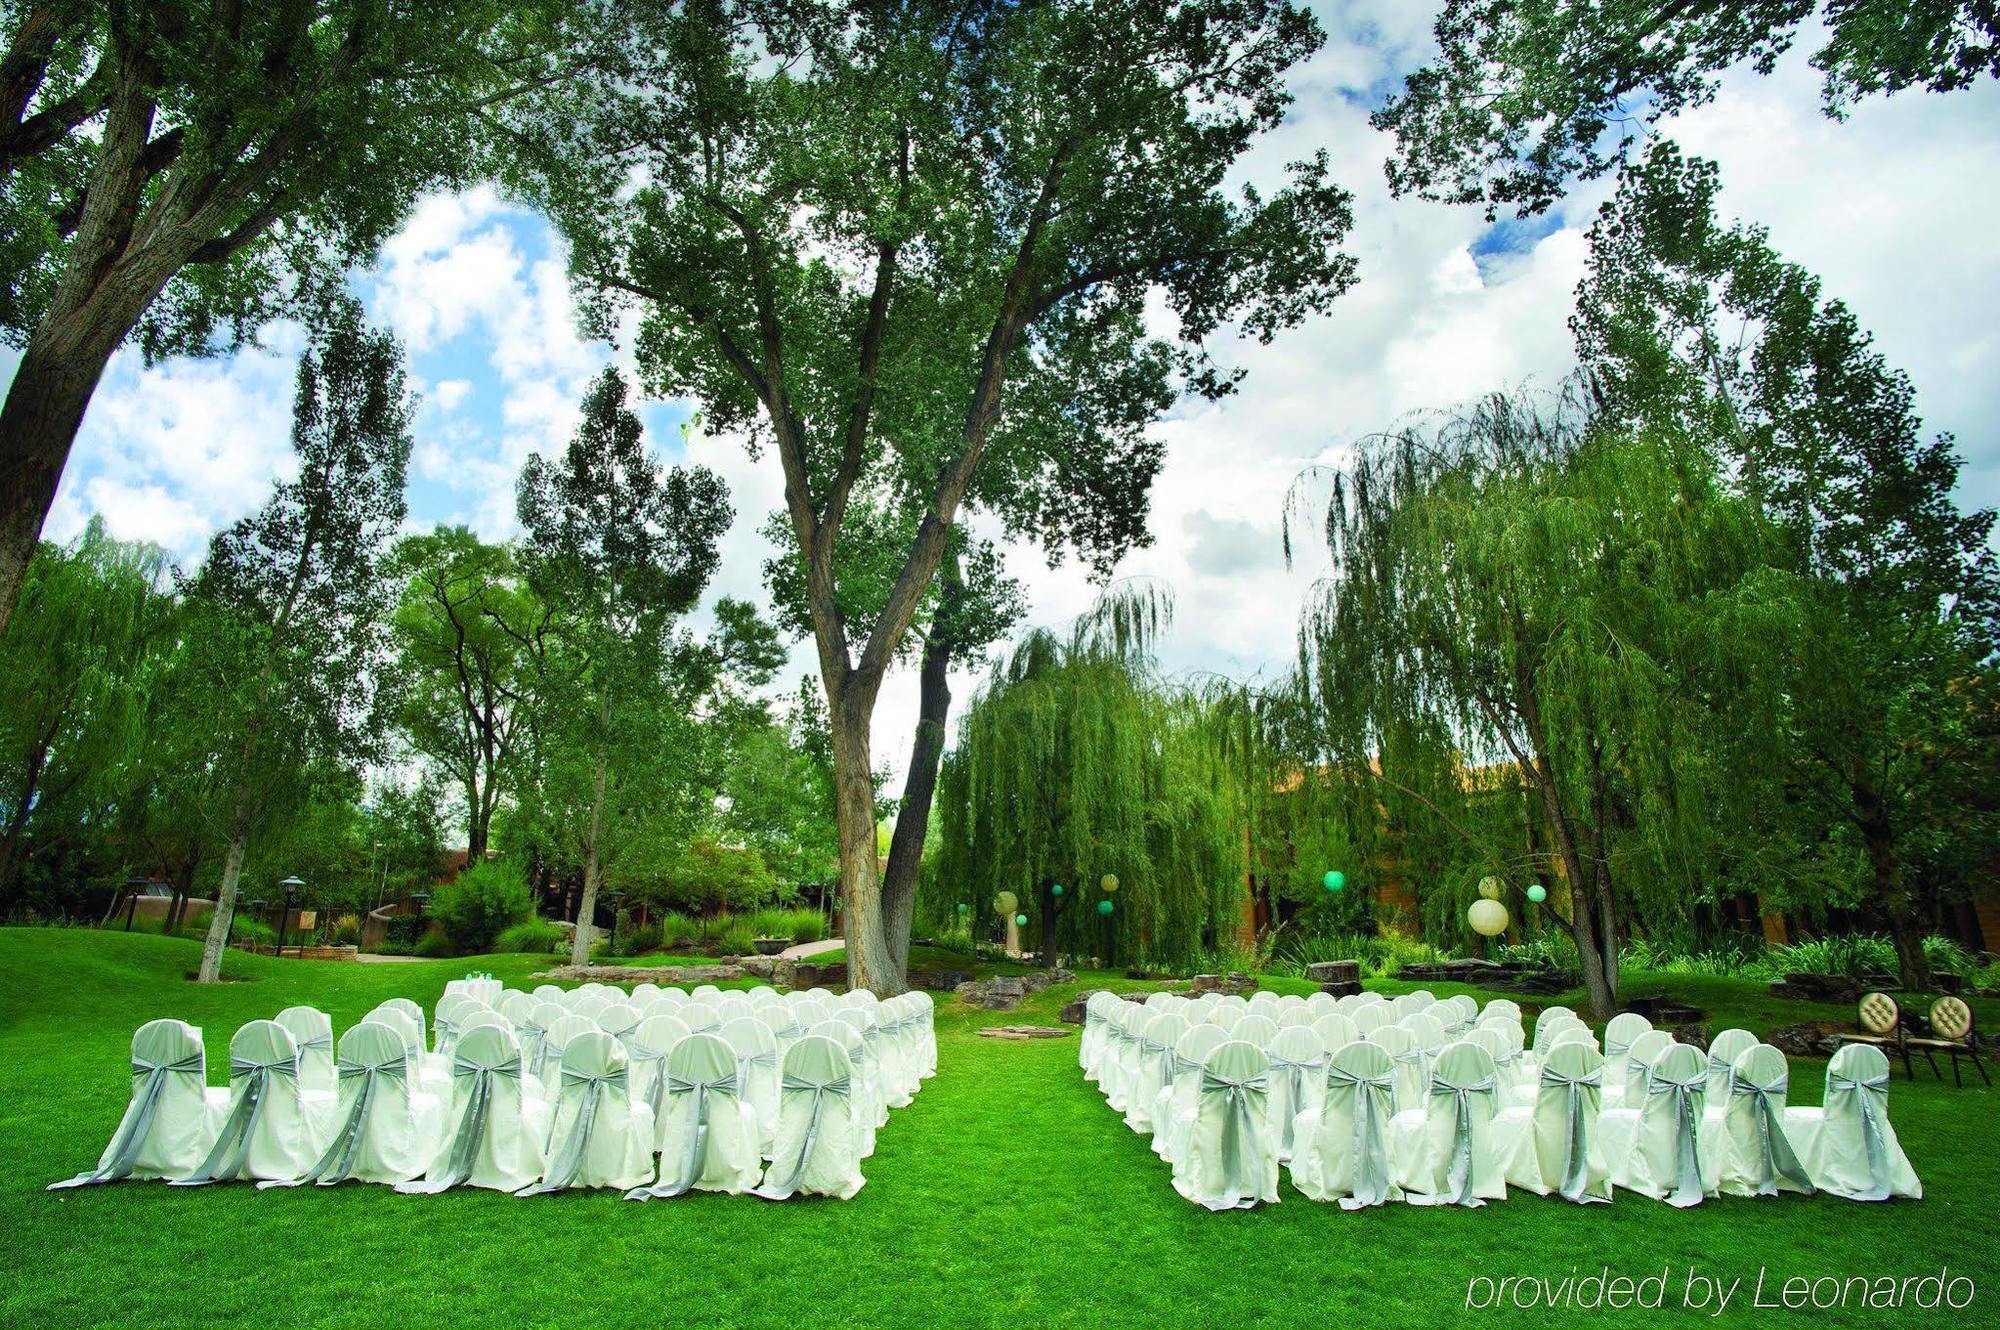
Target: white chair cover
{"type": "Point", "coordinates": [1664, 1159]}
{"type": "Point", "coordinates": [1298, 1077]}
{"type": "Point", "coordinates": [1340, 1150]}
{"type": "Point", "coordinates": [1850, 1148]}
{"type": "Point", "coordinates": [1174, 1105]}
{"type": "Point", "coordinates": [816, 1152]}
{"type": "Point", "coordinates": [601, 1138]}
{"type": "Point", "coordinates": [1446, 1153]}
{"type": "Point", "coordinates": [868, 1112]}
{"type": "Point", "coordinates": [1228, 1163]}
{"type": "Point", "coordinates": [416, 1015]}
{"type": "Point", "coordinates": [1335, 1030]}
{"type": "Point", "coordinates": [619, 1019]}
{"type": "Point", "coordinates": [1619, 1032]}
{"type": "Point", "coordinates": [1552, 1145]}
{"type": "Point", "coordinates": [494, 1130]}
{"type": "Point", "coordinates": [384, 1131]}
{"type": "Point", "coordinates": [756, 1050]}
{"type": "Point", "coordinates": [708, 1139]}
{"type": "Point", "coordinates": [169, 1124]}
{"type": "Point", "coordinates": [652, 1040]}
{"type": "Point", "coordinates": [1256, 1028]}
{"type": "Point", "coordinates": [312, 1030]}
{"type": "Point", "coordinates": [1123, 1053]}
{"type": "Point", "coordinates": [534, 1036]}
{"type": "Point", "coordinates": [1161, 1031]}
{"type": "Point", "coordinates": [555, 1042]}
{"type": "Point", "coordinates": [1412, 1076]}
{"type": "Point", "coordinates": [1756, 1157]}
{"type": "Point", "coordinates": [455, 1002]}
{"type": "Point", "coordinates": [701, 1018]}
{"type": "Point", "coordinates": [1639, 1058]}
{"type": "Point", "coordinates": [1097, 1011]}
{"type": "Point", "coordinates": [547, 993]}
{"type": "Point", "coordinates": [1723, 1050]}
{"type": "Point", "coordinates": [269, 1132]}
{"type": "Point", "coordinates": [1371, 1016]}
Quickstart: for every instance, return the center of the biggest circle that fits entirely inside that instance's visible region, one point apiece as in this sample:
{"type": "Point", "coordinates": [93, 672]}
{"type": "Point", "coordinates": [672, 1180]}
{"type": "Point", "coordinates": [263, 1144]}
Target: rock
{"type": "Point", "coordinates": [940, 981]}
{"type": "Point", "coordinates": [1022, 1032]}
{"type": "Point", "coordinates": [640, 974]}
{"type": "Point", "coordinates": [784, 974]}
{"type": "Point", "coordinates": [1341, 988]}
{"type": "Point", "coordinates": [1808, 1039]}
{"type": "Point", "coordinates": [1043, 979]}
{"type": "Point", "coordinates": [1002, 993]}
{"type": "Point", "coordinates": [818, 976]}
{"type": "Point", "coordinates": [1073, 1013]}
{"type": "Point", "coordinates": [1234, 982]}
{"type": "Point", "coordinates": [1334, 972]}
{"type": "Point", "coordinates": [761, 967]}
{"type": "Point", "coordinates": [1692, 1034]}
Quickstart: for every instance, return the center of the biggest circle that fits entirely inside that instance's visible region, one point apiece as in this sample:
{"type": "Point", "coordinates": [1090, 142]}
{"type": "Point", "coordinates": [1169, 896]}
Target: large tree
{"type": "Point", "coordinates": [1863, 668]}
{"type": "Point", "coordinates": [920, 268]}
{"type": "Point", "coordinates": [162, 163]}
{"type": "Point", "coordinates": [1524, 96]}
{"type": "Point", "coordinates": [619, 548]}
{"type": "Point", "coordinates": [1523, 585]}
{"type": "Point", "coordinates": [75, 675]}
{"type": "Point", "coordinates": [465, 630]}
{"type": "Point", "coordinates": [286, 613]}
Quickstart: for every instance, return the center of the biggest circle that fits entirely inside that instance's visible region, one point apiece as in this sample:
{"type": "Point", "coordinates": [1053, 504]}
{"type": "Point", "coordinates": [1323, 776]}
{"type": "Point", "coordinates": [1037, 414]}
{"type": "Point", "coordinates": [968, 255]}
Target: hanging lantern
{"type": "Point", "coordinates": [1021, 919]}
{"type": "Point", "coordinates": [1490, 887]}
{"type": "Point", "coordinates": [1104, 907]}
{"type": "Point", "coordinates": [1006, 903]}
{"type": "Point", "coordinates": [1488, 918]}
{"type": "Point", "coordinates": [1109, 882]}
{"type": "Point", "coordinates": [1056, 890]}
{"type": "Point", "coordinates": [1538, 893]}
{"type": "Point", "coordinates": [963, 908]}
{"type": "Point", "coordinates": [1335, 880]}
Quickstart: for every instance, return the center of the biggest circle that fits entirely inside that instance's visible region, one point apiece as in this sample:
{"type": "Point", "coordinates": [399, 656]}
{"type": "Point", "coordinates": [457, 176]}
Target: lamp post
{"type": "Point", "coordinates": [612, 898]}
{"type": "Point", "coordinates": [292, 885]}
{"type": "Point", "coordinates": [133, 886]}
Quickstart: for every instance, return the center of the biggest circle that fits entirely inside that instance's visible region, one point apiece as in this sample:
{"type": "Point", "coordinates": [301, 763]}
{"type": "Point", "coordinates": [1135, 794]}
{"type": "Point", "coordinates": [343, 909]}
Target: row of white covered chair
{"type": "Point", "coordinates": [713, 1104]}
{"type": "Point", "coordinates": [1367, 1116]}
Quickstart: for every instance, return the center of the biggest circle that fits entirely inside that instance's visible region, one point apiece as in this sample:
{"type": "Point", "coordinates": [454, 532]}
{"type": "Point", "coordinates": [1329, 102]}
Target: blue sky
{"type": "Point", "coordinates": [1893, 208]}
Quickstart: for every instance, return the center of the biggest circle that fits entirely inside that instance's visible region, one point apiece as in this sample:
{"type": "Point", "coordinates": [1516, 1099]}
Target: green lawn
{"type": "Point", "coordinates": [1007, 1195]}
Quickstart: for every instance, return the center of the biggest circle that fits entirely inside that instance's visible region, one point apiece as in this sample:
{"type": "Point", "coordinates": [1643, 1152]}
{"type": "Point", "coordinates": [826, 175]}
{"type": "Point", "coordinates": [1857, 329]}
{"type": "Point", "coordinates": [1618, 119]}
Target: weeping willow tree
{"type": "Point", "coordinates": [1520, 598]}
{"type": "Point", "coordinates": [1076, 761]}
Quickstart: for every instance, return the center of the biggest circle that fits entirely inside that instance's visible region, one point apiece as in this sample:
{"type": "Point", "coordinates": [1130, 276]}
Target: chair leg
{"type": "Point", "coordinates": [1972, 1050]}
{"type": "Point", "coordinates": [1954, 1070]}
{"type": "Point", "coordinates": [1934, 1070]}
{"type": "Point", "coordinates": [1909, 1067]}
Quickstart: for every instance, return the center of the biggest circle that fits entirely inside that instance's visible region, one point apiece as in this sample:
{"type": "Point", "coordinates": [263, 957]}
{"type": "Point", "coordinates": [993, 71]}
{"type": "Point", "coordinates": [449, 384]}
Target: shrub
{"type": "Point", "coordinates": [640, 939]}
{"type": "Point", "coordinates": [346, 931]}
{"type": "Point", "coordinates": [479, 904]}
{"type": "Point", "coordinates": [1851, 955]}
{"type": "Point", "coordinates": [435, 943]}
{"type": "Point", "coordinates": [250, 932]}
{"type": "Point", "coordinates": [533, 936]}
{"type": "Point", "coordinates": [795, 925]}
{"type": "Point", "coordinates": [734, 936]}
{"type": "Point", "coordinates": [677, 930]}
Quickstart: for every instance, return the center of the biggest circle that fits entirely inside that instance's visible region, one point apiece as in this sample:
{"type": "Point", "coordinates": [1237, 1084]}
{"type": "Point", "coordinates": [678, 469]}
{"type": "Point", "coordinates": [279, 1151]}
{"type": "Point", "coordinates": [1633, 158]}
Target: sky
{"type": "Point", "coordinates": [1889, 207]}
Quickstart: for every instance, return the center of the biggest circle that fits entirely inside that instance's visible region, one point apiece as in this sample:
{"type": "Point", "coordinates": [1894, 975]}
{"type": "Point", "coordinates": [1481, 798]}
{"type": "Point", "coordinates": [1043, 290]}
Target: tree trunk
{"type": "Point", "coordinates": [593, 859]}
{"type": "Point", "coordinates": [1051, 908]}
{"type": "Point", "coordinates": [225, 895]}
{"type": "Point", "coordinates": [1891, 898]}
{"type": "Point", "coordinates": [906, 846]}
{"type": "Point", "coordinates": [1589, 914]}
{"type": "Point", "coordinates": [44, 409]}
{"type": "Point", "coordinates": [869, 962]}
{"type": "Point", "coordinates": [476, 819]}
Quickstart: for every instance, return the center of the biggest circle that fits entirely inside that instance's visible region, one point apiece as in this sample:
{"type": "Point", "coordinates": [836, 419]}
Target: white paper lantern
{"type": "Point", "coordinates": [1488, 918]}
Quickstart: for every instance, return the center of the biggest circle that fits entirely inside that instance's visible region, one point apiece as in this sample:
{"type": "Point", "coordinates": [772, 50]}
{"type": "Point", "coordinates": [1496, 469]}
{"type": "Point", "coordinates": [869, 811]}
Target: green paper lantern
{"type": "Point", "coordinates": [1056, 890]}
{"type": "Point", "coordinates": [1104, 907]}
{"type": "Point", "coordinates": [1335, 880]}
{"type": "Point", "coordinates": [1110, 884]}
{"type": "Point", "coordinates": [963, 908]}
{"type": "Point", "coordinates": [1538, 893]}
{"type": "Point", "coordinates": [1021, 919]}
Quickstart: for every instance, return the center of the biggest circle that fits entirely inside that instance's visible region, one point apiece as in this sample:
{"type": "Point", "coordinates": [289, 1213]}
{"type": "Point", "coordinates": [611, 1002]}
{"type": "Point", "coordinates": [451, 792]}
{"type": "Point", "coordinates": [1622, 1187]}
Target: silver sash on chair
{"type": "Point", "coordinates": [1687, 1103]}
{"type": "Point", "coordinates": [444, 1035]}
{"type": "Point", "coordinates": [1241, 1143]}
{"type": "Point", "coordinates": [795, 1172]}
{"type": "Point", "coordinates": [1368, 1183]}
{"type": "Point", "coordinates": [1294, 1076]}
{"type": "Point", "coordinates": [1579, 1093]}
{"type": "Point", "coordinates": [694, 1141]}
{"type": "Point", "coordinates": [533, 1037]}
{"type": "Point", "coordinates": [336, 1162]}
{"type": "Point", "coordinates": [225, 1161]}
{"type": "Point", "coordinates": [656, 1087]}
{"type": "Point", "coordinates": [1775, 1156]}
{"type": "Point", "coordinates": [569, 1159]}
{"type": "Point", "coordinates": [1458, 1182]}
{"type": "Point", "coordinates": [1721, 1067]}
{"type": "Point", "coordinates": [123, 1154]}
{"type": "Point", "coordinates": [1873, 1096]}
{"type": "Point", "coordinates": [470, 1133]}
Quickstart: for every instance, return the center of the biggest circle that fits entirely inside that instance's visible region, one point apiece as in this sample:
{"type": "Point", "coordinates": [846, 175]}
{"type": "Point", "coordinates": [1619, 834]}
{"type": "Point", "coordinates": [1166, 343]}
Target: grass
{"type": "Point", "coordinates": [1006, 1195]}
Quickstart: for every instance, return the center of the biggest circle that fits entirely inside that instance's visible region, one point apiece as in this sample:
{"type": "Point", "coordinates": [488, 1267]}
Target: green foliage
{"type": "Point", "coordinates": [435, 943]}
{"type": "Point", "coordinates": [795, 925]}
{"type": "Point", "coordinates": [1522, 99]}
{"type": "Point", "coordinates": [248, 932]}
{"type": "Point", "coordinates": [677, 930]}
{"type": "Point", "coordinates": [475, 907]}
{"type": "Point", "coordinates": [535, 937]}
{"type": "Point", "coordinates": [708, 877]}
{"type": "Point", "coordinates": [1381, 954]}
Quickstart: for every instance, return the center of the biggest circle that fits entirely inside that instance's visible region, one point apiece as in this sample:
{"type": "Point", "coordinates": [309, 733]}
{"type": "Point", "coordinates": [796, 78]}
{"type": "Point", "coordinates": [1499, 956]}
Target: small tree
{"type": "Point", "coordinates": [285, 615]}
{"type": "Point", "coordinates": [620, 548]}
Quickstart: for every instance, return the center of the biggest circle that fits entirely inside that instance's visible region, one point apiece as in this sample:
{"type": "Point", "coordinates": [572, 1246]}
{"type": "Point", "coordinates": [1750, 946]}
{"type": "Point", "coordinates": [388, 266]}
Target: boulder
{"type": "Point", "coordinates": [760, 967]}
{"type": "Point", "coordinates": [1042, 979]}
{"type": "Point", "coordinates": [1808, 1039]}
{"type": "Point", "coordinates": [1022, 1032]}
{"type": "Point", "coordinates": [1234, 982]}
{"type": "Point", "coordinates": [1341, 988]}
{"type": "Point", "coordinates": [1334, 972]}
{"type": "Point", "coordinates": [1001, 993]}
{"type": "Point", "coordinates": [940, 981]}
{"type": "Point", "coordinates": [1696, 1034]}
{"type": "Point", "coordinates": [1073, 1013]}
